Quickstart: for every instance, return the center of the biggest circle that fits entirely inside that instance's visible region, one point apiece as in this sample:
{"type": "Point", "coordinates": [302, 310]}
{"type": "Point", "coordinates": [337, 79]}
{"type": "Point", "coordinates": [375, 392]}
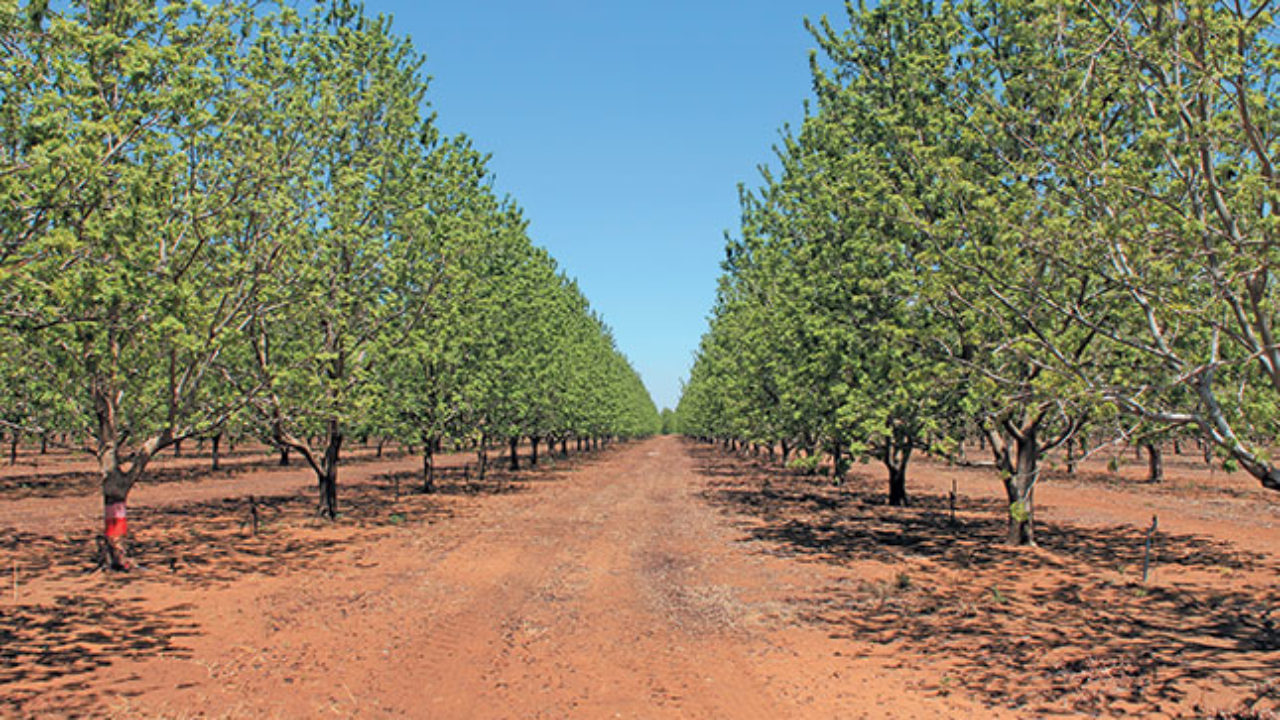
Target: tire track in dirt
{"type": "Point", "coordinates": [585, 596]}
{"type": "Point", "coordinates": [580, 604]}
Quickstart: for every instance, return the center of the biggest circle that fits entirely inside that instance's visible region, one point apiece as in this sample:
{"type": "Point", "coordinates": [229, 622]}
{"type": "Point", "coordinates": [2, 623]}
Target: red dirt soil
{"type": "Point", "coordinates": [655, 579]}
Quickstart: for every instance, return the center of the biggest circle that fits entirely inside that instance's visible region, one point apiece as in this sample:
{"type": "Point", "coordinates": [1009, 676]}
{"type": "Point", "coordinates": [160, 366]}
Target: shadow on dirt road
{"type": "Point", "coordinates": [1068, 625]}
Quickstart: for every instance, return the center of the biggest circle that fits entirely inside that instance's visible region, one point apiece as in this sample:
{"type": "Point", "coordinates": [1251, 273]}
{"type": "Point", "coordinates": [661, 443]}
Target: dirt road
{"type": "Point", "coordinates": [610, 591]}
{"type": "Point", "coordinates": [649, 582]}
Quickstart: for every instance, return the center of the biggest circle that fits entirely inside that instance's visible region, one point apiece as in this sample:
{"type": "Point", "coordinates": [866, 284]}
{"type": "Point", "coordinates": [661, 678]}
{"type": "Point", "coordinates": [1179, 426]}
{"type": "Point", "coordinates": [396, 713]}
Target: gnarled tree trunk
{"type": "Point", "coordinates": [119, 474]}
{"type": "Point", "coordinates": [115, 494]}
{"type": "Point", "coordinates": [1155, 463]}
{"type": "Point", "coordinates": [1020, 488]}
{"type": "Point", "coordinates": [895, 455]}
{"type": "Point", "coordinates": [329, 472]}
{"type": "Point", "coordinates": [1019, 470]}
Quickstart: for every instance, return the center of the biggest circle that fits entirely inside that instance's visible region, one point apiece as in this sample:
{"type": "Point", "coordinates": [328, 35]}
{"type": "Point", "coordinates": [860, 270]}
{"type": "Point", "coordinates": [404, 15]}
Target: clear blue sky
{"type": "Point", "coordinates": [623, 129]}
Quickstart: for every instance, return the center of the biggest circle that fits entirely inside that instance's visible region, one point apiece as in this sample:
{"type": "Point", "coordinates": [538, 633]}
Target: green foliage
{"type": "Point", "coordinates": [127, 276]}
{"type": "Point", "coordinates": [231, 218]}
{"type": "Point", "coordinates": [805, 463]}
{"type": "Point", "coordinates": [670, 424]}
{"type": "Point", "coordinates": [1011, 218]}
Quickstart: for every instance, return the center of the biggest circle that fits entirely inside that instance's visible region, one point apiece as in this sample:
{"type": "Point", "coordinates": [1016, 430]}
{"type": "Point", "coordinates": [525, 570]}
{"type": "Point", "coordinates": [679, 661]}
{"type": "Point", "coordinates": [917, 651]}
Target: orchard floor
{"type": "Point", "coordinates": [656, 579]}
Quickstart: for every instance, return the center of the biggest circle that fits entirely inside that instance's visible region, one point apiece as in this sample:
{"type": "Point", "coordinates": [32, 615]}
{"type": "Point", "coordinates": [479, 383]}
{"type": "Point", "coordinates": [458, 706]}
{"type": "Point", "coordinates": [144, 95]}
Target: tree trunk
{"type": "Point", "coordinates": [1020, 488]}
{"type": "Point", "coordinates": [514, 444]}
{"type": "Point", "coordinates": [897, 485]}
{"type": "Point", "coordinates": [482, 458]}
{"type": "Point", "coordinates": [115, 492]}
{"type": "Point", "coordinates": [896, 456]}
{"type": "Point", "coordinates": [216, 443]}
{"type": "Point", "coordinates": [44, 443]}
{"type": "Point", "coordinates": [786, 451]}
{"type": "Point", "coordinates": [116, 484]}
{"type": "Point", "coordinates": [428, 465]}
{"type": "Point", "coordinates": [837, 461]}
{"type": "Point", "coordinates": [329, 473]}
{"type": "Point", "coordinates": [533, 450]}
{"type": "Point", "coordinates": [1071, 456]}
{"type": "Point", "coordinates": [13, 447]}
{"type": "Point", "coordinates": [1155, 463]}
{"type": "Point", "coordinates": [381, 442]}
{"type": "Point", "coordinates": [564, 447]}
{"type": "Point", "coordinates": [177, 449]}
{"type": "Point", "coordinates": [284, 456]}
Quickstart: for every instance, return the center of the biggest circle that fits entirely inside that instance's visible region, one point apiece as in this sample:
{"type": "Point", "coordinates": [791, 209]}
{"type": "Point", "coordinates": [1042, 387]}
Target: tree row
{"type": "Point", "coordinates": [231, 218]}
{"type": "Point", "coordinates": [1024, 221]}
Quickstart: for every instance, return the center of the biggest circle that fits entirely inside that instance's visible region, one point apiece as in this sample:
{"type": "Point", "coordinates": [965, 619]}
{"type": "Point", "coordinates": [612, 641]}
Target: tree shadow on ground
{"type": "Point", "coordinates": [58, 645]}
{"type": "Point", "coordinates": [1249, 497]}
{"type": "Point", "coordinates": [80, 482]}
{"type": "Point", "coordinates": [202, 543]}
{"type": "Point", "coordinates": [1066, 627]}
{"type": "Point", "coordinates": [217, 541]}
{"type": "Point", "coordinates": [449, 482]}
{"type": "Point", "coordinates": [499, 479]}
{"type": "Point", "coordinates": [49, 650]}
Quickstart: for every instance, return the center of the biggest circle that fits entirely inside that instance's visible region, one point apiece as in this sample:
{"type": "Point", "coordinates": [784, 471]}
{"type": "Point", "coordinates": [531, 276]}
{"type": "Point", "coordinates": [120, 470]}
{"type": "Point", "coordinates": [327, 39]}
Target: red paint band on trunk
{"type": "Point", "coordinates": [116, 528]}
{"type": "Point", "coordinates": [115, 525]}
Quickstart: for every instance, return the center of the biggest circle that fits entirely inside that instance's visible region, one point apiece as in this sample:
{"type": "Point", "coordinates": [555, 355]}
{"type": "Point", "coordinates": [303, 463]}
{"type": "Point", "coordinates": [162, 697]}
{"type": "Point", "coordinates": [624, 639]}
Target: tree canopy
{"type": "Point", "coordinates": [1007, 217]}
{"type": "Point", "coordinates": [220, 213]}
